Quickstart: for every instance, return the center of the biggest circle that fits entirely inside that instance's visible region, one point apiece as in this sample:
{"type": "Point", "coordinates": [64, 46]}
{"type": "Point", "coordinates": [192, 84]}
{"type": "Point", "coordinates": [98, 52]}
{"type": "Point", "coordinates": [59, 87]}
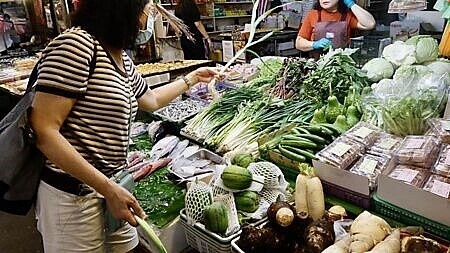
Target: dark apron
{"type": "Point", "coordinates": [335, 31]}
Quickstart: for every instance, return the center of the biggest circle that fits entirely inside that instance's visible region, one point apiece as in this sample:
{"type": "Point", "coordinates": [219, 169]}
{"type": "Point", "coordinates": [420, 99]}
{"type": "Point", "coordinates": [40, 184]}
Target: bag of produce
{"type": "Point", "coordinates": [406, 104]}
{"type": "Point", "coordinates": [442, 165]}
{"type": "Point", "coordinates": [385, 145]}
{"type": "Point", "coordinates": [363, 133]}
{"type": "Point", "coordinates": [440, 128]}
{"type": "Point", "coordinates": [418, 151]}
{"type": "Point", "coordinates": [438, 185]}
{"type": "Point", "coordinates": [410, 175]}
{"type": "Point", "coordinates": [370, 166]}
{"type": "Point", "coordinates": [341, 153]}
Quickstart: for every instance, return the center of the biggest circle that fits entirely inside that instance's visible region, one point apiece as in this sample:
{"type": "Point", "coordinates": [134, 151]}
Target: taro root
{"type": "Point", "coordinates": [319, 235]}
{"type": "Point", "coordinates": [281, 213]}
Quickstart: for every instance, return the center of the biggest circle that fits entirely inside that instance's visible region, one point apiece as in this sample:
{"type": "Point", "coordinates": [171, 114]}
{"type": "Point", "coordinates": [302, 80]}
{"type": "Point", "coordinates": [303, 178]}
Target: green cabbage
{"type": "Point", "coordinates": [427, 48]}
{"type": "Point", "coordinates": [439, 67]}
{"type": "Point", "coordinates": [378, 68]}
{"type": "Point", "coordinates": [400, 53]}
{"type": "Point", "coordinates": [411, 74]}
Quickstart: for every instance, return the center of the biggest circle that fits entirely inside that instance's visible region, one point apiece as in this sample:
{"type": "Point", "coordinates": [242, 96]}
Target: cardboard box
{"type": "Point", "coordinates": [414, 199]}
{"type": "Point", "coordinates": [342, 178]}
{"type": "Point", "coordinates": [402, 30]}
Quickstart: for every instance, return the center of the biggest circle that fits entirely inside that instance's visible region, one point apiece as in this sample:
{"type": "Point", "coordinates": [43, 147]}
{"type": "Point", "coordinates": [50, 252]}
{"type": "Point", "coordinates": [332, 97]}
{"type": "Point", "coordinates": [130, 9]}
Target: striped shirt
{"type": "Point", "coordinates": [98, 124]}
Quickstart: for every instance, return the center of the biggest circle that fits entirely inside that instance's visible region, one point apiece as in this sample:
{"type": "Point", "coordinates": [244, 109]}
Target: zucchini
{"type": "Point", "coordinates": [302, 152]}
{"type": "Point", "coordinates": [314, 138]}
{"type": "Point", "coordinates": [299, 143]}
{"type": "Point", "coordinates": [291, 155]}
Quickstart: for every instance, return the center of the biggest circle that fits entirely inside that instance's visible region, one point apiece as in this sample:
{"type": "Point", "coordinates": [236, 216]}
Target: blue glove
{"type": "Point", "coordinates": [321, 44]}
{"type": "Point", "coordinates": [349, 3]}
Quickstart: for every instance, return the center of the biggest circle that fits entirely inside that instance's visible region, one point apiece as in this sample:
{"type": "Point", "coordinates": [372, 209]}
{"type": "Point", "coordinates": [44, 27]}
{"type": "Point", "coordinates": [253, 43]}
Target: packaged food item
{"type": "Point", "coordinates": [442, 165]}
{"type": "Point", "coordinates": [385, 145]}
{"type": "Point", "coordinates": [441, 128]}
{"type": "Point", "coordinates": [418, 151]}
{"type": "Point", "coordinates": [410, 175]}
{"type": "Point", "coordinates": [363, 133]}
{"type": "Point", "coordinates": [341, 153]}
{"type": "Point", "coordinates": [370, 166]}
{"type": "Point", "coordinates": [438, 185]}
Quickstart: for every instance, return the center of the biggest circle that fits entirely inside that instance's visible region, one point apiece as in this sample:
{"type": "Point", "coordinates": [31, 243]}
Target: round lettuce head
{"type": "Point", "coordinates": [378, 68]}
{"type": "Point", "coordinates": [400, 54]}
{"type": "Point", "coordinates": [427, 48]}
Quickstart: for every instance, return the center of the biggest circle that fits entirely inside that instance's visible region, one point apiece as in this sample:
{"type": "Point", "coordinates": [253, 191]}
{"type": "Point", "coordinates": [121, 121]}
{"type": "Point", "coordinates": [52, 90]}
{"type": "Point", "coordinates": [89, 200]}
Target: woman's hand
{"type": "Point", "coordinates": [205, 75]}
{"type": "Point", "coordinates": [122, 204]}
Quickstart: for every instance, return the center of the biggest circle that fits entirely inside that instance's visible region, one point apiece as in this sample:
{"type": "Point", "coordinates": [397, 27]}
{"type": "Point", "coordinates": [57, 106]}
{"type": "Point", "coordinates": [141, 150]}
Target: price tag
{"type": "Point", "coordinates": [388, 143]}
{"type": "Point", "coordinates": [407, 175]}
{"type": "Point", "coordinates": [368, 166]}
{"type": "Point", "coordinates": [340, 149]}
{"type": "Point", "coordinates": [414, 143]}
{"type": "Point", "coordinates": [363, 132]}
{"type": "Point", "coordinates": [440, 188]}
{"type": "Point", "coordinates": [447, 159]}
{"type": "Point", "coordinates": [446, 125]}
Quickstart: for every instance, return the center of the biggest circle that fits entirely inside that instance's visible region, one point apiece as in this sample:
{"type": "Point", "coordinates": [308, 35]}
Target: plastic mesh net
{"type": "Point", "coordinates": [228, 200]}
{"type": "Point", "coordinates": [273, 177]}
{"type": "Point", "coordinates": [198, 197]}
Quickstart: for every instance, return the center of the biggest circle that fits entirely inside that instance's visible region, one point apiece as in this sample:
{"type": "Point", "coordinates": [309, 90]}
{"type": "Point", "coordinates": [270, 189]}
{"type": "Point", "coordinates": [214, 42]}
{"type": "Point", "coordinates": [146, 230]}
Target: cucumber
{"type": "Point", "coordinates": [314, 138]}
{"type": "Point", "coordinates": [327, 131]}
{"type": "Point", "coordinates": [295, 138]}
{"type": "Point", "coordinates": [302, 152]}
{"type": "Point", "coordinates": [314, 129]}
{"type": "Point", "coordinates": [335, 131]}
{"type": "Point", "coordinates": [302, 130]}
{"type": "Point", "coordinates": [291, 155]}
{"type": "Point", "coordinates": [299, 143]}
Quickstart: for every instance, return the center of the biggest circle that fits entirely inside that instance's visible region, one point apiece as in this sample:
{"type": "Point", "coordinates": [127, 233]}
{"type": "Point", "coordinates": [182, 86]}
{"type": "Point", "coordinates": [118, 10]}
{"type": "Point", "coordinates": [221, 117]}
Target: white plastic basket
{"type": "Point", "coordinates": [205, 241]}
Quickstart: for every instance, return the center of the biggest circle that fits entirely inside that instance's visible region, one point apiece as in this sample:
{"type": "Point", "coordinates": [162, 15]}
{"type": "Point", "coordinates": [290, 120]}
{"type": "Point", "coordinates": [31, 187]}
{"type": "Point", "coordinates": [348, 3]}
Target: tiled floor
{"type": "Point", "coordinates": [18, 234]}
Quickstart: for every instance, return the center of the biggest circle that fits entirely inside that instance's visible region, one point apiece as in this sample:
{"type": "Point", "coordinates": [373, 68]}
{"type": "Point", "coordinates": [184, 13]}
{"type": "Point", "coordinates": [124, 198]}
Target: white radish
{"type": "Point", "coordinates": [390, 244]}
{"type": "Point", "coordinates": [342, 246]}
{"type": "Point", "coordinates": [301, 201]}
{"type": "Point", "coordinates": [316, 201]}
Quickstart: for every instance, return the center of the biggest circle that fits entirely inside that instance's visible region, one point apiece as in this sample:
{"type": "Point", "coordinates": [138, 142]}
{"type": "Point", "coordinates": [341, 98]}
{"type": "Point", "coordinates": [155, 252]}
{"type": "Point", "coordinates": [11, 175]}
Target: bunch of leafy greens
{"type": "Point", "coordinates": [161, 199]}
{"type": "Point", "coordinates": [335, 73]}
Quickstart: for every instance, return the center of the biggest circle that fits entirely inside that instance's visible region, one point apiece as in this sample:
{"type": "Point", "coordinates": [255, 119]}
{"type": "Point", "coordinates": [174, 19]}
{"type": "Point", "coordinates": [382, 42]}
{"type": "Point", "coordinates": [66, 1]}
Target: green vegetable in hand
{"type": "Point", "coordinates": [341, 124]}
{"type": "Point", "coordinates": [334, 109]}
{"type": "Point", "coordinates": [151, 234]}
{"type": "Point", "coordinates": [352, 116]}
{"type": "Point", "coordinates": [319, 116]}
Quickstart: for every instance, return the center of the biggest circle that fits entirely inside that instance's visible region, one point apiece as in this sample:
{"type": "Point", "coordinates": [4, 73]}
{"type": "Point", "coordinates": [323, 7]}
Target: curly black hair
{"type": "Point", "coordinates": [342, 8]}
{"type": "Point", "coordinates": [114, 22]}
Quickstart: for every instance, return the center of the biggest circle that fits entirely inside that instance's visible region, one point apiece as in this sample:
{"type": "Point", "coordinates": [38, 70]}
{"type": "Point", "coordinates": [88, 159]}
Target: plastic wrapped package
{"type": "Point", "coordinates": [441, 128]}
{"type": "Point", "coordinates": [420, 151]}
{"type": "Point", "coordinates": [410, 175]}
{"type": "Point", "coordinates": [363, 133]}
{"type": "Point", "coordinates": [438, 185]}
{"type": "Point", "coordinates": [371, 167]}
{"type": "Point", "coordinates": [385, 145]}
{"type": "Point", "coordinates": [341, 153]}
{"type": "Point", "coordinates": [442, 165]}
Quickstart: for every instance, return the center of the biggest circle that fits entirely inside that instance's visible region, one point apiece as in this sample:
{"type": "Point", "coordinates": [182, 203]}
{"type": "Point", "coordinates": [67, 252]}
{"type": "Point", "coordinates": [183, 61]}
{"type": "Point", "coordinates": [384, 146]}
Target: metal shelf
{"type": "Point", "coordinates": [224, 17]}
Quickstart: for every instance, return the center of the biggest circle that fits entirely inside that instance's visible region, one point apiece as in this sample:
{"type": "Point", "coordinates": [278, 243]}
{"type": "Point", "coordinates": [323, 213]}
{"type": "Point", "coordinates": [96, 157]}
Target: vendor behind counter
{"type": "Point", "coordinates": [330, 24]}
